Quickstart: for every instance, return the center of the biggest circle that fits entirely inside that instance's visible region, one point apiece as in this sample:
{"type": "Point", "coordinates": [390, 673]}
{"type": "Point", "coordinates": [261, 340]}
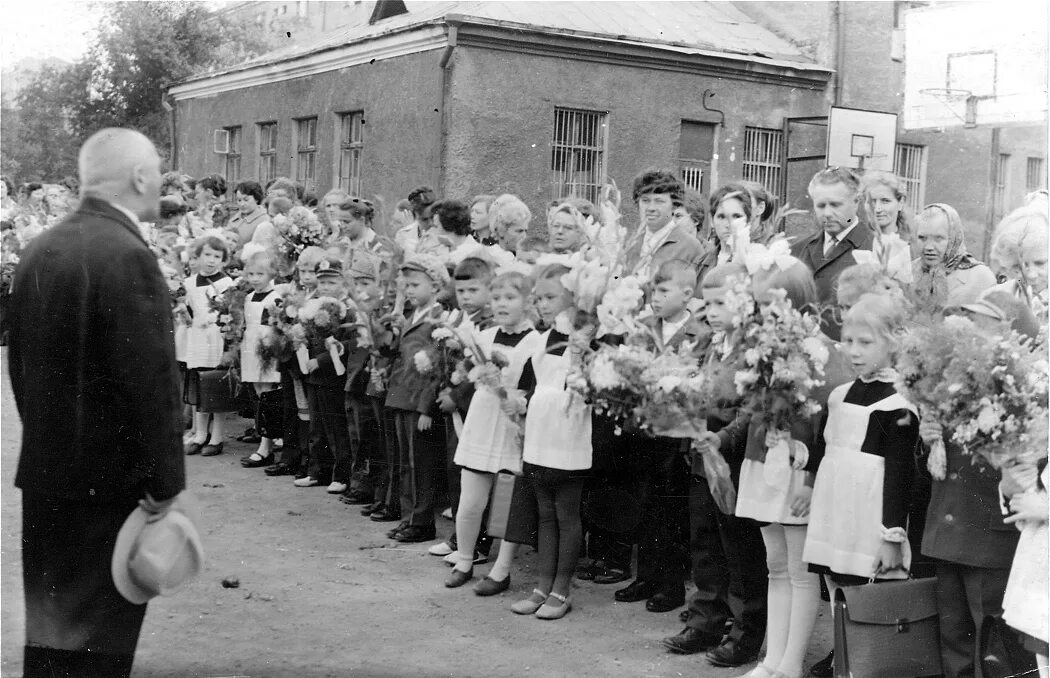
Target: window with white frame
{"type": "Point", "coordinates": [233, 155]}
{"type": "Point", "coordinates": [763, 152]}
{"type": "Point", "coordinates": [351, 143]}
{"type": "Point", "coordinates": [306, 153]}
{"type": "Point", "coordinates": [267, 152]}
{"type": "Point", "coordinates": [909, 164]}
{"type": "Point", "coordinates": [1033, 178]}
{"type": "Point", "coordinates": [578, 154]}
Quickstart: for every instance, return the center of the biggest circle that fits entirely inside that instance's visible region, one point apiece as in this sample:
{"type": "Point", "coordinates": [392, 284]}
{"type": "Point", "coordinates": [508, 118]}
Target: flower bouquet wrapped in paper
{"type": "Point", "coordinates": [325, 321]}
{"type": "Point", "coordinates": [988, 391]}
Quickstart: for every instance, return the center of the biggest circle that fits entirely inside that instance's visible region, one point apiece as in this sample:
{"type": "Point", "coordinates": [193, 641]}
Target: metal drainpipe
{"type": "Point", "coordinates": [840, 50]}
{"type": "Point", "coordinates": [446, 59]}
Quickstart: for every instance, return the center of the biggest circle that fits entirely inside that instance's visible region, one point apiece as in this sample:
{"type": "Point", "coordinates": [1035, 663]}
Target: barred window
{"type": "Point", "coordinates": [351, 143]}
{"type": "Point", "coordinates": [696, 149]}
{"type": "Point", "coordinates": [578, 154]}
{"type": "Point", "coordinates": [762, 157]}
{"type": "Point", "coordinates": [909, 164]}
{"type": "Point", "coordinates": [233, 156]}
{"type": "Point", "coordinates": [306, 153]}
{"type": "Point", "coordinates": [267, 152]}
{"type": "Point", "coordinates": [1033, 179]}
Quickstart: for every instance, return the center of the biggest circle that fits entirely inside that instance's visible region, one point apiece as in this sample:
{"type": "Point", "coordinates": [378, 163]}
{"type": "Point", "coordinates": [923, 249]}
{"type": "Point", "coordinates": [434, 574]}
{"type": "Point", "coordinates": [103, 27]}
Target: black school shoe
{"type": "Point", "coordinates": [611, 575]}
{"type": "Point", "coordinates": [386, 514]}
{"type": "Point", "coordinates": [691, 641]}
{"type": "Point", "coordinates": [414, 534]}
{"type": "Point", "coordinates": [636, 591]}
{"type": "Point", "coordinates": [730, 653]}
{"type": "Point", "coordinates": [392, 534]}
{"type": "Point", "coordinates": [666, 600]}
{"type": "Point", "coordinates": [372, 508]}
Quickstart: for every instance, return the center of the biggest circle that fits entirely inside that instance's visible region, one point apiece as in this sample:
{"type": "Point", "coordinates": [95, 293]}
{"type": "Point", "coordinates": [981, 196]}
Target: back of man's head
{"type": "Point", "coordinates": [118, 165]}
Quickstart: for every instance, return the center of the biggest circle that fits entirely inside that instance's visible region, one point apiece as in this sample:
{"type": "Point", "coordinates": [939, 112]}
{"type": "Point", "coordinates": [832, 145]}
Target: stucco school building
{"type": "Point", "coordinates": [547, 99]}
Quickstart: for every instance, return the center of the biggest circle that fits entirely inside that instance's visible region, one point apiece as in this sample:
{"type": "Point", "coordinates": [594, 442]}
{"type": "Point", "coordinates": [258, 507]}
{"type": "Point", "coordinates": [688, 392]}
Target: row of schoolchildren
{"type": "Point", "coordinates": [750, 568]}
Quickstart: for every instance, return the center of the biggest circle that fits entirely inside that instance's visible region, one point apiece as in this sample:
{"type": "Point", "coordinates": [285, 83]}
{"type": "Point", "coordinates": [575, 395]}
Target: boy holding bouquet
{"type": "Point", "coordinates": [663, 477]}
{"type": "Point", "coordinates": [327, 340]}
{"type": "Point", "coordinates": [412, 394]}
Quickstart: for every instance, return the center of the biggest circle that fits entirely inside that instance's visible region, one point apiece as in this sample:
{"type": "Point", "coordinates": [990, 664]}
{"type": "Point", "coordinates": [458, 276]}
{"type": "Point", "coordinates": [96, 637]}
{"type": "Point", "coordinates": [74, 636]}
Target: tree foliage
{"type": "Point", "coordinates": [140, 49]}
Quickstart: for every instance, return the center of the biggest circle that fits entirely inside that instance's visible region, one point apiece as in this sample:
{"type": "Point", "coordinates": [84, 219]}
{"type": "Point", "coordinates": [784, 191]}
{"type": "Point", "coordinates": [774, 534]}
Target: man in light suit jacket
{"type": "Point", "coordinates": [836, 196]}
{"type": "Point", "coordinates": [92, 365]}
{"type": "Point", "coordinates": [656, 193]}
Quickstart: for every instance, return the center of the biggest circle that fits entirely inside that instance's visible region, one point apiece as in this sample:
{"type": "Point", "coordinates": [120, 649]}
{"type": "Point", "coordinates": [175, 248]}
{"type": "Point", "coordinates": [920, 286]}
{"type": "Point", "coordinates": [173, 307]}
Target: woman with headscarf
{"type": "Point", "coordinates": [945, 273]}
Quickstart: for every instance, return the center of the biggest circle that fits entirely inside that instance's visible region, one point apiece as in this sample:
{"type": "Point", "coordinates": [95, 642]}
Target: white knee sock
{"type": "Point", "coordinates": [501, 569]}
{"type": "Point", "coordinates": [779, 595]}
{"type": "Point", "coordinates": [473, 497]}
{"type": "Point", "coordinates": [805, 603]}
{"type": "Point", "coordinates": [218, 429]}
{"type": "Point", "coordinates": [200, 427]}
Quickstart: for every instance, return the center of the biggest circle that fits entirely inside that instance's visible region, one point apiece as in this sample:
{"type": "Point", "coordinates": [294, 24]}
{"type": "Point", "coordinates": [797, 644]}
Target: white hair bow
{"type": "Point", "coordinates": [762, 257]}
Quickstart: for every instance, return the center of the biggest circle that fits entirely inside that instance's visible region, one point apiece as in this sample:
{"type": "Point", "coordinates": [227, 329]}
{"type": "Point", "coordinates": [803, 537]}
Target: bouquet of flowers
{"type": "Point", "coordinates": [229, 308]}
{"type": "Point", "coordinates": [988, 391]}
{"type": "Point", "coordinates": [610, 379]}
{"type": "Point", "coordinates": [321, 317]}
{"type": "Point", "coordinates": [299, 230]}
{"type": "Point", "coordinates": [674, 402]}
{"type": "Point", "coordinates": [783, 361]}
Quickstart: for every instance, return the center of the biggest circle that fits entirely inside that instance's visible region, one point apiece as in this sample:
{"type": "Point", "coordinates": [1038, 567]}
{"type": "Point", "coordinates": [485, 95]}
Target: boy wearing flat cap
{"type": "Point", "coordinates": [328, 465]}
{"type": "Point", "coordinates": [419, 426]}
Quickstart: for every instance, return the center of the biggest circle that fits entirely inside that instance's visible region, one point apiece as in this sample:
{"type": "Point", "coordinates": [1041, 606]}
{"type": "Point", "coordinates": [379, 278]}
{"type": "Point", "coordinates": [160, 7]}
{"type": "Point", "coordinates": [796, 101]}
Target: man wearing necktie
{"type": "Point", "coordinates": [836, 195]}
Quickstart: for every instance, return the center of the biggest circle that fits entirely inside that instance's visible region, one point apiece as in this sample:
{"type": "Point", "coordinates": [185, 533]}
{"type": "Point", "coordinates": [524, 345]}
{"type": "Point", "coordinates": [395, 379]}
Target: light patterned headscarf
{"type": "Point", "coordinates": [931, 281]}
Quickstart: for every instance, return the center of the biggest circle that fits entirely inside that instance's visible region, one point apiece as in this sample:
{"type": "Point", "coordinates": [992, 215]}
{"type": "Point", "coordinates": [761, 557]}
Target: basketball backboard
{"type": "Point", "coordinates": [862, 140]}
{"type": "Point", "coordinates": [975, 63]}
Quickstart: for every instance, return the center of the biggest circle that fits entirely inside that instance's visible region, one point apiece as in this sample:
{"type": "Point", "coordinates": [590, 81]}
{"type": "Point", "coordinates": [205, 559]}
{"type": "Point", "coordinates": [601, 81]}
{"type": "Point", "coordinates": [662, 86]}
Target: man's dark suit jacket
{"type": "Point", "coordinates": [810, 250]}
{"type": "Point", "coordinates": [92, 363]}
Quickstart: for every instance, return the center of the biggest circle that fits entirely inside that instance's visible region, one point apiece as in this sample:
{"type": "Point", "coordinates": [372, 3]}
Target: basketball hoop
{"type": "Point", "coordinates": [952, 98]}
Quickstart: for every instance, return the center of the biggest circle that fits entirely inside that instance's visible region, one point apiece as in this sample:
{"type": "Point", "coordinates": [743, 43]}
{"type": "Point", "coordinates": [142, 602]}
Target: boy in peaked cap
{"type": "Point", "coordinates": [412, 394]}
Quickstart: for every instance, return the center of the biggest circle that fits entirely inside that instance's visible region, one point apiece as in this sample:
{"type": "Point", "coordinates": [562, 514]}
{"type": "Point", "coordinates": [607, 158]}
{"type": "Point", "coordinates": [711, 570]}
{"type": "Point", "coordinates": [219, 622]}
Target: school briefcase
{"type": "Point", "coordinates": [887, 630]}
{"type": "Point", "coordinates": [512, 512]}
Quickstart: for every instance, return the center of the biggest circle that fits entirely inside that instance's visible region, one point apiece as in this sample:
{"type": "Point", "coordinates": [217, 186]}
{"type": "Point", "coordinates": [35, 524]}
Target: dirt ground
{"type": "Point", "coordinates": [324, 593]}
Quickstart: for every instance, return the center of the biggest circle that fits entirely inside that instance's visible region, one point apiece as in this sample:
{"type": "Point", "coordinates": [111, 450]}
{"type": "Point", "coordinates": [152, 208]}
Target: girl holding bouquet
{"type": "Point", "coordinates": [861, 495]}
{"type": "Point", "coordinates": [776, 484]}
{"type": "Point", "coordinates": [557, 449]}
{"type": "Point", "coordinates": [259, 270]}
{"type": "Point", "coordinates": [490, 441]}
{"type": "Point", "coordinates": [204, 342]}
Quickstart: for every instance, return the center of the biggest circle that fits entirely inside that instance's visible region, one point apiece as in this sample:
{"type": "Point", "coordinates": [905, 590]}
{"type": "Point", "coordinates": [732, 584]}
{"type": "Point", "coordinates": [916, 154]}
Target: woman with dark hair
{"type": "Point", "coordinates": [479, 219]}
{"type": "Point", "coordinates": [450, 234]}
{"type": "Point", "coordinates": [352, 223]}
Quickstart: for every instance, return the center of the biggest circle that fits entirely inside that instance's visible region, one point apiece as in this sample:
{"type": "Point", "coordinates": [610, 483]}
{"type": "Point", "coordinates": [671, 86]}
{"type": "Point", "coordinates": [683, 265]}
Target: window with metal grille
{"type": "Point", "coordinates": [762, 157]}
{"type": "Point", "coordinates": [909, 164]}
{"type": "Point", "coordinates": [306, 153]}
{"type": "Point", "coordinates": [1033, 178]}
{"type": "Point", "coordinates": [233, 156]}
{"type": "Point", "coordinates": [696, 148]}
{"type": "Point", "coordinates": [351, 143]}
{"type": "Point", "coordinates": [578, 154]}
{"type": "Point", "coordinates": [267, 152]}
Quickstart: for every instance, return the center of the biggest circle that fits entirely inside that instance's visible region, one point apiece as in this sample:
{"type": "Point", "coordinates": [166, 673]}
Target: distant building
{"type": "Point", "coordinates": [547, 100]}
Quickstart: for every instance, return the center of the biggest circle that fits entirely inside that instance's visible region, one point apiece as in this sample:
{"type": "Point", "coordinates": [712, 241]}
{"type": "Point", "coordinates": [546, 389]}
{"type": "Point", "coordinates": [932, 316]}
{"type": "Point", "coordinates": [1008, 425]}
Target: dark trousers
{"type": "Point", "coordinates": [297, 432]}
{"type": "Point", "coordinates": [331, 462]}
{"type": "Point", "coordinates": [269, 414]}
{"type": "Point", "coordinates": [965, 594]}
{"type": "Point", "coordinates": [366, 443]}
{"type": "Point", "coordinates": [729, 570]}
{"type": "Point", "coordinates": [77, 623]}
{"type": "Point", "coordinates": [389, 491]}
{"type": "Point", "coordinates": [610, 496]}
{"type": "Point", "coordinates": [421, 454]}
{"type": "Point", "coordinates": [663, 492]}
{"type": "Point", "coordinates": [452, 472]}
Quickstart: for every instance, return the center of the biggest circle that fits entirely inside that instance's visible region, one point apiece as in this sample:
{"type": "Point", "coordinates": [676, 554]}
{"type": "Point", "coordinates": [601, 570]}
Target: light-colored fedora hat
{"type": "Point", "coordinates": [156, 558]}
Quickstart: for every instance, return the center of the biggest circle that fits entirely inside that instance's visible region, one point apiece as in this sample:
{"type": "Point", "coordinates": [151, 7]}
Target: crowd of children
{"type": "Point", "coordinates": [404, 364]}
